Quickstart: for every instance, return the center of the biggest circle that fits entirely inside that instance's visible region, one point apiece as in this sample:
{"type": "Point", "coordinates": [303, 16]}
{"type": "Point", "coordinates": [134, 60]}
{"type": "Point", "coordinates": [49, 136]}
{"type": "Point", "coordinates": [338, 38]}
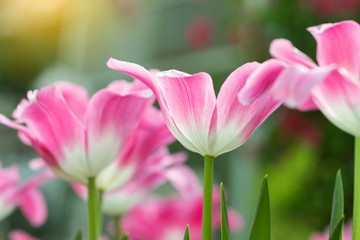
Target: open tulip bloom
{"type": "Point", "coordinates": [202, 122]}
{"type": "Point", "coordinates": [332, 86]}
{"type": "Point", "coordinates": [77, 137]}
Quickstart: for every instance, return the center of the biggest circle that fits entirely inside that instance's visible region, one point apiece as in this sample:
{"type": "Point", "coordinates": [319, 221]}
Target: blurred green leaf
{"type": "Point", "coordinates": [337, 211]}
{"type": "Point", "coordinates": [225, 233]}
{"type": "Point", "coordinates": [260, 229]}
{"type": "Point", "coordinates": [187, 235]}
{"type": "Point", "coordinates": [336, 233]}
{"type": "Point", "coordinates": [78, 235]}
{"type": "Point", "coordinates": [124, 237]}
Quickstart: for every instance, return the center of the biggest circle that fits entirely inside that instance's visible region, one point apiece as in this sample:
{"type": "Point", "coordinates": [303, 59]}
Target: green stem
{"type": "Point", "coordinates": [100, 216]}
{"type": "Point", "coordinates": [356, 214]}
{"type": "Point", "coordinates": [92, 209]}
{"type": "Point", "coordinates": [208, 198]}
{"type": "Point", "coordinates": [117, 227]}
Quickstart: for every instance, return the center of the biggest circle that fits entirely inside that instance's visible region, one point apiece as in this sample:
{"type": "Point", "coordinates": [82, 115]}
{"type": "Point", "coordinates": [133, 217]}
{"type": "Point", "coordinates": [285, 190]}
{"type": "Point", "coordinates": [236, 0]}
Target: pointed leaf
{"type": "Point", "coordinates": [336, 233]}
{"type": "Point", "coordinates": [124, 237]}
{"type": "Point", "coordinates": [78, 235]}
{"type": "Point", "coordinates": [337, 210]}
{"type": "Point", "coordinates": [225, 233]}
{"type": "Point", "coordinates": [187, 234]}
{"type": "Point", "coordinates": [260, 229]}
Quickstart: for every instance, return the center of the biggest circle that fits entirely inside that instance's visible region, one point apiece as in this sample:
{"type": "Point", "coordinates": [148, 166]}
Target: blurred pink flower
{"type": "Point", "coordinates": [75, 136]}
{"type": "Point", "coordinates": [166, 218]}
{"type": "Point", "coordinates": [333, 7]}
{"type": "Point", "coordinates": [200, 121]}
{"type": "Point", "coordinates": [347, 233]}
{"type": "Point", "coordinates": [333, 86]}
{"type": "Point", "coordinates": [26, 196]}
{"type": "Point", "coordinates": [199, 33]}
{"type": "Point", "coordinates": [20, 235]}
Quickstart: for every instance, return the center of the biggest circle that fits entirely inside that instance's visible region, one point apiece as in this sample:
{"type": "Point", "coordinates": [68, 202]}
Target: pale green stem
{"type": "Point", "coordinates": [117, 227]}
{"type": "Point", "coordinates": [356, 214]}
{"type": "Point", "coordinates": [207, 198]}
{"type": "Point", "coordinates": [100, 216]}
{"type": "Point", "coordinates": [92, 209]}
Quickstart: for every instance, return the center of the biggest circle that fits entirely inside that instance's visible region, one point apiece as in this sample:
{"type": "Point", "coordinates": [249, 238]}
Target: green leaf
{"type": "Point", "coordinates": [78, 235]}
{"type": "Point", "coordinates": [124, 237]}
{"type": "Point", "coordinates": [225, 233]}
{"type": "Point", "coordinates": [336, 233]}
{"type": "Point", "coordinates": [187, 235]}
{"type": "Point", "coordinates": [337, 211]}
{"type": "Point", "coordinates": [260, 229]}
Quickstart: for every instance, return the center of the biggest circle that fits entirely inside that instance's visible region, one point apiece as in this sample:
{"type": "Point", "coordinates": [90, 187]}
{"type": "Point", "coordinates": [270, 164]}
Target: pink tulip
{"type": "Point", "coordinates": [27, 197]}
{"type": "Point", "coordinates": [333, 86]}
{"type": "Point", "coordinates": [200, 121]}
{"type": "Point", "coordinates": [166, 218]}
{"type": "Point", "coordinates": [347, 233]}
{"type": "Point", "coordinates": [75, 136]}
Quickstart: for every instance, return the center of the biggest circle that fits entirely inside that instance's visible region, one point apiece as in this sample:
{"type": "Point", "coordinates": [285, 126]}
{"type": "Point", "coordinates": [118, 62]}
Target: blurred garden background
{"type": "Point", "coordinates": [43, 41]}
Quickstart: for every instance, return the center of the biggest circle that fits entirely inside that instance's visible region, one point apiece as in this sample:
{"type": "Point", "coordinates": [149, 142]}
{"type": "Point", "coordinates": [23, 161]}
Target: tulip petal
{"type": "Point", "coordinates": [190, 100]}
{"type": "Point", "coordinates": [258, 83]}
{"type": "Point", "coordinates": [233, 123]}
{"type": "Point", "coordinates": [184, 180]}
{"type": "Point", "coordinates": [111, 117]}
{"type": "Point", "coordinates": [295, 83]}
{"type": "Point", "coordinates": [33, 206]}
{"type": "Point", "coordinates": [20, 235]}
{"type": "Point", "coordinates": [283, 50]}
{"type": "Point", "coordinates": [338, 99]}
{"type": "Point", "coordinates": [339, 43]}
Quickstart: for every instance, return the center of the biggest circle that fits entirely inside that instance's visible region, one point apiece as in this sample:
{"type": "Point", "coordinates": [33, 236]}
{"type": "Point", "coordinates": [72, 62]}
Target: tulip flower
{"type": "Point", "coordinates": [202, 122]}
{"type": "Point", "coordinates": [332, 86]}
{"type": "Point", "coordinates": [26, 196]}
{"type": "Point", "coordinates": [166, 218]}
{"type": "Point", "coordinates": [77, 137]}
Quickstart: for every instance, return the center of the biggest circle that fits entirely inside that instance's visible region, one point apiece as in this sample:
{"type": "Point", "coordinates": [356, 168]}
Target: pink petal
{"type": "Point", "coordinates": [184, 180]}
{"type": "Point", "coordinates": [111, 118]}
{"type": "Point", "coordinates": [339, 100]}
{"type": "Point", "coordinates": [51, 124]}
{"type": "Point", "coordinates": [33, 206]}
{"type": "Point", "coordinates": [260, 82]}
{"type": "Point", "coordinates": [295, 83]}
{"type": "Point", "coordinates": [283, 50]}
{"type": "Point", "coordinates": [20, 235]}
{"type": "Point", "coordinates": [233, 122]}
{"type": "Point", "coordinates": [339, 43]}
{"type": "Point", "coordinates": [190, 99]}
{"type": "Point", "coordinates": [76, 98]}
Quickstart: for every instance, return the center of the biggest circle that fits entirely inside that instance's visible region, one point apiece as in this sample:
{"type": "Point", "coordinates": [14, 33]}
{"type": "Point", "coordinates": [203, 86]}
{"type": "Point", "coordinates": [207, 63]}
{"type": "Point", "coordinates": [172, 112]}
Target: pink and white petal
{"type": "Point", "coordinates": [20, 235]}
{"type": "Point", "coordinates": [184, 180]}
{"type": "Point", "coordinates": [190, 101]}
{"type": "Point", "coordinates": [339, 100]}
{"type": "Point", "coordinates": [259, 83]}
{"type": "Point", "coordinates": [141, 74]}
{"type": "Point", "coordinates": [33, 206]}
{"type": "Point", "coordinates": [52, 124]}
{"type": "Point", "coordinates": [233, 123]}
{"type": "Point", "coordinates": [107, 128]}
{"type": "Point", "coordinates": [295, 83]}
{"type": "Point", "coordinates": [76, 98]}
{"type": "Point", "coordinates": [339, 43]}
{"type": "Point", "coordinates": [284, 50]}
{"type": "Point", "coordinates": [80, 190]}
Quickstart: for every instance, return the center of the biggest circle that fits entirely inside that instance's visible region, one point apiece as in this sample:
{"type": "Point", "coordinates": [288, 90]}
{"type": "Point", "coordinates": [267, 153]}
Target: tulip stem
{"type": "Point", "coordinates": [207, 198]}
{"type": "Point", "coordinates": [356, 213]}
{"type": "Point", "coordinates": [92, 209]}
{"type": "Point", "coordinates": [99, 216]}
{"type": "Point", "coordinates": [117, 227]}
